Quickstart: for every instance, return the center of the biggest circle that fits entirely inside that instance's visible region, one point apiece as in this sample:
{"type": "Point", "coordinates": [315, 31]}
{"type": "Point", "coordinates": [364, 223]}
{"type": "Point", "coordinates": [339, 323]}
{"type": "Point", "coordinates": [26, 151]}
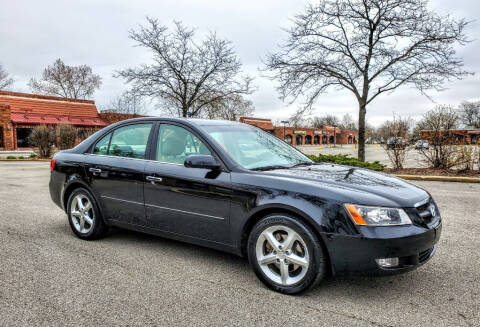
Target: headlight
{"type": "Point", "coordinates": [377, 216]}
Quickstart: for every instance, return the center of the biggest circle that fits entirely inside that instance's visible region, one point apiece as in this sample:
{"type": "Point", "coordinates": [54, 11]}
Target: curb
{"type": "Point", "coordinates": [36, 160]}
{"type": "Point", "coordinates": [439, 178]}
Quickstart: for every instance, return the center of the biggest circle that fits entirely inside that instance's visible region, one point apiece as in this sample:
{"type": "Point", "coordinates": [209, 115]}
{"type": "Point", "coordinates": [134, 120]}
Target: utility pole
{"type": "Point", "coordinates": [334, 136]}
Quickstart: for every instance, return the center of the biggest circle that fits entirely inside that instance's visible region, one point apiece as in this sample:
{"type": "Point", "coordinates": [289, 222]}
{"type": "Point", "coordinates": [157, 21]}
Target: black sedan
{"type": "Point", "coordinates": [236, 188]}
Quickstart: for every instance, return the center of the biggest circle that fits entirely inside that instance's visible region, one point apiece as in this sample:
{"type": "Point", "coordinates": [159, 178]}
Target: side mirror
{"type": "Point", "coordinates": [201, 161]}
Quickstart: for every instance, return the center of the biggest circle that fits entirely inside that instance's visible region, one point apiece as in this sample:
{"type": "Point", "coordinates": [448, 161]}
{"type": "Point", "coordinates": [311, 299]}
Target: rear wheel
{"type": "Point", "coordinates": [285, 254]}
{"type": "Point", "coordinates": [84, 216]}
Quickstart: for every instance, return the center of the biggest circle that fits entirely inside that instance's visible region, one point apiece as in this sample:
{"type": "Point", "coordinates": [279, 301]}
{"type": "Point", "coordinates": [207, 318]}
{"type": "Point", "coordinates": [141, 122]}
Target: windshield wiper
{"type": "Point", "coordinates": [306, 163]}
{"type": "Point", "coordinates": [272, 167]}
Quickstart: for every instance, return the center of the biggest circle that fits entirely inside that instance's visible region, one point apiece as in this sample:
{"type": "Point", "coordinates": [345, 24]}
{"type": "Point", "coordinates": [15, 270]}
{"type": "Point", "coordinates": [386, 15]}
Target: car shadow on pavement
{"type": "Point", "coordinates": [181, 253]}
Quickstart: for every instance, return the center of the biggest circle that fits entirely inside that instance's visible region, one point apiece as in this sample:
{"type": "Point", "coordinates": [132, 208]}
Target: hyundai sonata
{"type": "Point", "coordinates": [236, 188]}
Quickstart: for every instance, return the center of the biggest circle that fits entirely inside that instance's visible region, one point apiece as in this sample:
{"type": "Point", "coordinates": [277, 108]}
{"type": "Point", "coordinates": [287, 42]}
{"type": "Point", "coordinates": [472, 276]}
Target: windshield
{"type": "Point", "coordinates": [253, 148]}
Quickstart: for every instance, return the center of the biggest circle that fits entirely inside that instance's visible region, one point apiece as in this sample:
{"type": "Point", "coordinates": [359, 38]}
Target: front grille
{"type": "Point", "coordinates": [424, 255]}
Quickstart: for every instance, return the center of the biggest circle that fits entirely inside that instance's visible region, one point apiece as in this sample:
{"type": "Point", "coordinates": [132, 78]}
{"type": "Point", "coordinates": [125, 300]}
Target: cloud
{"type": "Point", "coordinates": [95, 32]}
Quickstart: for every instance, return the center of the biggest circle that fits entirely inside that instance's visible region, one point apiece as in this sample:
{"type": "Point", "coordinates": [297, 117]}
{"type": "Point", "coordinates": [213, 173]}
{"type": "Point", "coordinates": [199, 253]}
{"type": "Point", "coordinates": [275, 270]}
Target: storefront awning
{"type": "Point", "coordinates": [26, 118]}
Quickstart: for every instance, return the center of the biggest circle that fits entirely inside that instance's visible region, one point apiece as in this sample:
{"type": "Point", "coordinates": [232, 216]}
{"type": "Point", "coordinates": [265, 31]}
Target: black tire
{"type": "Point", "coordinates": [98, 228]}
{"type": "Point", "coordinates": [317, 267]}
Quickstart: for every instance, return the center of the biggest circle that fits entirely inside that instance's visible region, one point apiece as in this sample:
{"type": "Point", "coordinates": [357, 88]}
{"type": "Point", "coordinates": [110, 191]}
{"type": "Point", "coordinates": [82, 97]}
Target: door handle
{"type": "Point", "coordinates": [95, 170]}
{"type": "Point", "coordinates": [154, 179]}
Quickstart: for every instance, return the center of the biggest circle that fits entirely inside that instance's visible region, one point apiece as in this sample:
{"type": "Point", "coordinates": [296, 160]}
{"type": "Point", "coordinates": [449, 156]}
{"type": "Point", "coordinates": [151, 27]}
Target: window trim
{"type": "Point", "coordinates": [154, 144]}
{"type": "Point", "coordinates": [98, 141]}
{"type": "Point", "coordinates": [111, 132]}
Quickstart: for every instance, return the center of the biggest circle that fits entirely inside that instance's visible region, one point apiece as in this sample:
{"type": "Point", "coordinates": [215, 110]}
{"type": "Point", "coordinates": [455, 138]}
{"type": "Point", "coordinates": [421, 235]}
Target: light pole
{"type": "Point", "coordinates": [334, 136]}
{"type": "Point", "coordinates": [284, 122]}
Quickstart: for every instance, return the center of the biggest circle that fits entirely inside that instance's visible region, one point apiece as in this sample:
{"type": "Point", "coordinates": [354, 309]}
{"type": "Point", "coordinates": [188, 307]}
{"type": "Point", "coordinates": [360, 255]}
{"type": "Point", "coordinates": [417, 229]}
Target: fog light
{"type": "Point", "coordinates": [387, 262]}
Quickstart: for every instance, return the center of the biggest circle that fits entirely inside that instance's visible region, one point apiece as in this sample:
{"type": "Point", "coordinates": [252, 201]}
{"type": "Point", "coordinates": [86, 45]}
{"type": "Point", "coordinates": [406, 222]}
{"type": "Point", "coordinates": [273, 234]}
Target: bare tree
{"type": "Point", "coordinates": [230, 108]}
{"type": "Point", "coordinates": [185, 75]}
{"type": "Point", "coordinates": [325, 120]}
{"type": "Point", "coordinates": [5, 80]}
{"type": "Point", "coordinates": [437, 125]}
{"type": "Point", "coordinates": [470, 113]}
{"type": "Point", "coordinates": [66, 136]}
{"type": "Point", "coordinates": [397, 130]}
{"type": "Point", "coordinates": [368, 47]}
{"type": "Point", "coordinates": [43, 138]}
{"type": "Point", "coordinates": [127, 103]}
{"type": "Point", "coordinates": [298, 119]}
{"type": "Point", "coordinates": [75, 82]}
{"type": "Point", "coordinates": [349, 124]}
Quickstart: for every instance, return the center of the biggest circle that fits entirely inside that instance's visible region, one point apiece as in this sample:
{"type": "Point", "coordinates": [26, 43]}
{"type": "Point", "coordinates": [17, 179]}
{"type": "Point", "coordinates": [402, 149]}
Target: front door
{"type": "Point", "coordinates": [116, 172]}
{"type": "Point", "coordinates": [187, 201]}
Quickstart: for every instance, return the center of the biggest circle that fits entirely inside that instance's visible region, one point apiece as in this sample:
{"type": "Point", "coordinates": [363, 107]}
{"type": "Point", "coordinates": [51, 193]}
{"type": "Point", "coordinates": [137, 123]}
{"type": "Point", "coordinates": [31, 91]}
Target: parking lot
{"type": "Point", "coordinates": [49, 277]}
{"type": "Point", "coordinates": [373, 152]}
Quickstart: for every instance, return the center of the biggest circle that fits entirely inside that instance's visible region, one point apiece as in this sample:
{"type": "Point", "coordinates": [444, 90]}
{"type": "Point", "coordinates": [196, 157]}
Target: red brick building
{"type": "Point", "coordinates": [305, 136]}
{"type": "Point", "coordinates": [454, 136]}
{"type": "Point", "coordinates": [21, 112]}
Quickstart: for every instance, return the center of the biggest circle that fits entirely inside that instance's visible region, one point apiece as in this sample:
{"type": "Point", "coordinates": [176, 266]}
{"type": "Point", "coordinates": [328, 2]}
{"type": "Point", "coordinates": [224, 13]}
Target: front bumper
{"type": "Point", "coordinates": [413, 246]}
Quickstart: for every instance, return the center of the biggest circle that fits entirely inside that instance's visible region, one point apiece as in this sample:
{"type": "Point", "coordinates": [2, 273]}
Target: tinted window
{"type": "Point", "coordinates": [176, 143]}
{"type": "Point", "coordinates": [102, 146]}
{"type": "Point", "coordinates": [130, 141]}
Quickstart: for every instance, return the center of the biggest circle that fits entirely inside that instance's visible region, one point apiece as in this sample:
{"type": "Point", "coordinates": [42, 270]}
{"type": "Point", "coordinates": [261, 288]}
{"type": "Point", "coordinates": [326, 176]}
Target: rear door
{"type": "Point", "coordinates": [187, 201]}
{"type": "Point", "coordinates": [116, 172]}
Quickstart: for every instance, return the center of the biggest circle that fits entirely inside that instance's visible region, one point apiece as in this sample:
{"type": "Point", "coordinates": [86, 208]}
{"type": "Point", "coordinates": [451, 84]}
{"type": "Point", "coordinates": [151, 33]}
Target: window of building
{"type": "Point", "coordinates": [308, 139]}
{"type": "Point", "coordinates": [299, 140]}
{"type": "Point", "coordinates": [176, 143]}
{"type": "Point", "coordinates": [23, 138]}
{"type": "Point", "coordinates": [316, 139]}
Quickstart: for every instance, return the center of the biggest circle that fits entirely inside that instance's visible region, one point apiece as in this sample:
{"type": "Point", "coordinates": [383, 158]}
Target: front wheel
{"type": "Point", "coordinates": [285, 254]}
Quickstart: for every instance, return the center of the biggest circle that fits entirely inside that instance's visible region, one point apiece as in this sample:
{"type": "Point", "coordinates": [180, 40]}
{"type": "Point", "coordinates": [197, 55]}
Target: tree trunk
{"type": "Point", "coordinates": [361, 130]}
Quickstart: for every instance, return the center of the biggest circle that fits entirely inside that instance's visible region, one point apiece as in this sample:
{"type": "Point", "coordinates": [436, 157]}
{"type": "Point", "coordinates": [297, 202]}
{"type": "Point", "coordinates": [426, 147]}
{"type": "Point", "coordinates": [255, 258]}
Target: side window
{"type": "Point", "coordinates": [176, 143]}
{"type": "Point", "coordinates": [102, 146]}
{"type": "Point", "coordinates": [130, 141]}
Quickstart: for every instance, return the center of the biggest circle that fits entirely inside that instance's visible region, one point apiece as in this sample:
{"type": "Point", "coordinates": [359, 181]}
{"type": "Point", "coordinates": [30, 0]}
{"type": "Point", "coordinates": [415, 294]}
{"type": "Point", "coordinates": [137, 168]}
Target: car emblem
{"type": "Point", "coordinates": [433, 211]}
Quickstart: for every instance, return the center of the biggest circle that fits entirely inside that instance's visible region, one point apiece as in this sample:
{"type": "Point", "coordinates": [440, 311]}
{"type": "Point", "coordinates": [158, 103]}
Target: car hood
{"type": "Point", "coordinates": [356, 185]}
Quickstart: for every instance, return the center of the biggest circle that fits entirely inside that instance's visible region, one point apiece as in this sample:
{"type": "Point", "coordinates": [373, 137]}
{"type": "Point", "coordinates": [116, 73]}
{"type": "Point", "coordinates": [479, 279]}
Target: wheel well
{"type": "Point", "coordinates": [72, 187]}
{"type": "Point", "coordinates": [262, 213]}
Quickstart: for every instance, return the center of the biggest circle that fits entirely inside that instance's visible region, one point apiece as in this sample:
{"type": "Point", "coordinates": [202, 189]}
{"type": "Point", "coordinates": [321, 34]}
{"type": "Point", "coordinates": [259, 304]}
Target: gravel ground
{"type": "Point", "coordinates": [50, 278]}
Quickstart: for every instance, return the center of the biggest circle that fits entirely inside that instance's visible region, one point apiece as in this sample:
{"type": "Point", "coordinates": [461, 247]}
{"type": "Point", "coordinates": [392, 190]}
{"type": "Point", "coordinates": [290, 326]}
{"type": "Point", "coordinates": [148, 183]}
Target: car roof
{"type": "Point", "coordinates": [190, 121]}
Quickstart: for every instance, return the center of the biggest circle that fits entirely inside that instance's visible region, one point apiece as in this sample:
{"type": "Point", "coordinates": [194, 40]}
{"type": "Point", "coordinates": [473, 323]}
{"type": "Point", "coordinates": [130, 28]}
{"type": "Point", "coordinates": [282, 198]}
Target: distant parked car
{"type": "Point", "coordinates": [422, 144]}
{"type": "Point", "coordinates": [396, 142]}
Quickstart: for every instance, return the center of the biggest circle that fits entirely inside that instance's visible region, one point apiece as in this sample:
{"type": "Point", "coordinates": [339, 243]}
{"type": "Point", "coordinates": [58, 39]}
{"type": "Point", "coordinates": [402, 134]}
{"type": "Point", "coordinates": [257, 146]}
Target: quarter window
{"type": "Point", "coordinates": [176, 143]}
{"type": "Point", "coordinates": [130, 141]}
{"type": "Point", "coordinates": [102, 146]}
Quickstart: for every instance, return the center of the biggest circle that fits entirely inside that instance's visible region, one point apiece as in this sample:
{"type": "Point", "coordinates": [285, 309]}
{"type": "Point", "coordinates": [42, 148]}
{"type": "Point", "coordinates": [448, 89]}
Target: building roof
{"type": "Point", "coordinates": [263, 123]}
{"type": "Point", "coordinates": [39, 109]}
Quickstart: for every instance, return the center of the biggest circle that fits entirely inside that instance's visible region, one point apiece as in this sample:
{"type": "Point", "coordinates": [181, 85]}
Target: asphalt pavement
{"type": "Point", "coordinates": [48, 277]}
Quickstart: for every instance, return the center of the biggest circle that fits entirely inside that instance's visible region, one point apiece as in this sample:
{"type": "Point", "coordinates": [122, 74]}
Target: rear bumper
{"type": "Point", "coordinates": [413, 245]}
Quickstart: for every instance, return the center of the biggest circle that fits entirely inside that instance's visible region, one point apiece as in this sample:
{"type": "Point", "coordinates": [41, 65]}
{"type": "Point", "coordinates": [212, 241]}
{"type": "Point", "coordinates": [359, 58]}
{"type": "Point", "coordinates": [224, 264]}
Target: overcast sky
{"type": "Point", "coordinates": [95, 32]}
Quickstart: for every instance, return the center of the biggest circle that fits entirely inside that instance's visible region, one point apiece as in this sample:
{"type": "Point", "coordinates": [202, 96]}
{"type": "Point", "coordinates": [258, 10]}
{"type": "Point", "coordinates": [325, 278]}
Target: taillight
{"type": "Point", "coordinates": [52, 164]}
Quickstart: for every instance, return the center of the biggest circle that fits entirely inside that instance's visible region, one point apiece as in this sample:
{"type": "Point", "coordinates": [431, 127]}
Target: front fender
{"type": "Point", "coordinates": [249, 204]}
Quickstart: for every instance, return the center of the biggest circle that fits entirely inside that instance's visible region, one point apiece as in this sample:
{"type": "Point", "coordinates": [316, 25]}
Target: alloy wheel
{"type": "Point", "coordinates": [82, 214]}
{"type": "Point", "coordinates": [282, 255]}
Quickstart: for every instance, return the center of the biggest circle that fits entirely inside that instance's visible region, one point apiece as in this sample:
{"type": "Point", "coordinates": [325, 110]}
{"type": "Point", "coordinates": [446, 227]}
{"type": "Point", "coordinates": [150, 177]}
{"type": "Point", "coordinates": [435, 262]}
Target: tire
{"type": "Point", "coordinates": [305, 258]}
{"type": "Point", "coordinates": [92, 228]}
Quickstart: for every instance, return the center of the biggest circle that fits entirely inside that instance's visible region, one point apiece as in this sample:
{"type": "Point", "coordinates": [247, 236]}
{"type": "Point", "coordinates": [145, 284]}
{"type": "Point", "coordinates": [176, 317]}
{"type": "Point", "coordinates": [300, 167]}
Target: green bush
{"type": "Point", "coordinates": [33, 155]}
{"type": "Point", "coordinates": [11, 157]}
{"type": "Point", "coordinates": [343, 159]}
{"type": "Point", "coordinates": [21, 157]}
